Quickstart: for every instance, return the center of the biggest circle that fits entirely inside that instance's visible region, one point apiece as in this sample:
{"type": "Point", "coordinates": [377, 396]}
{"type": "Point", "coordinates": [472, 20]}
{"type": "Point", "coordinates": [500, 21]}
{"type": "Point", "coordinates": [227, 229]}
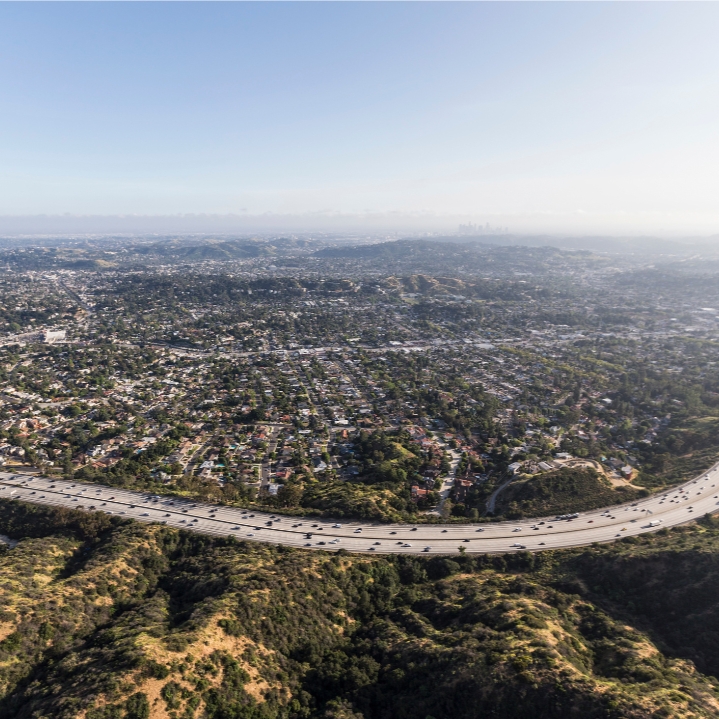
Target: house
{"type": "Point", "coordinates": [515, 467]}
{"type": "Point", "coordinates": [418, 493]}
{"type": "Point", "coordinates": [461, 489]}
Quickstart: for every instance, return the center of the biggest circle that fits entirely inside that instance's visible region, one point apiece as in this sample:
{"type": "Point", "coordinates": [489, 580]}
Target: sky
{"type": "Point", "coordinates": [565, 117]}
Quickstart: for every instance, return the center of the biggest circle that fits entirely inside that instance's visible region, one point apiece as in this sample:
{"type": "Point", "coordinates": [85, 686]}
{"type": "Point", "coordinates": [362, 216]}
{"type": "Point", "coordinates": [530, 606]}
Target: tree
{"type": "Point", "coordinates": [137, 706]}
{"type": "Point", "coordinates": [289, 495]}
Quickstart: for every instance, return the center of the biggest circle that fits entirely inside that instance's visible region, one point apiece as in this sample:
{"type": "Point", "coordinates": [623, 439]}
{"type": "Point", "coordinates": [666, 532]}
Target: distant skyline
{"type": "Point", "coordinates": [539, 117]}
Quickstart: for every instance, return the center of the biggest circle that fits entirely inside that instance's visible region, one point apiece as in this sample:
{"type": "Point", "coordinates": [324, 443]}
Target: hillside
{"type": "Point", "coordinates": [109, 620]}
{"type": "Point", "coordinates": [560, 492]}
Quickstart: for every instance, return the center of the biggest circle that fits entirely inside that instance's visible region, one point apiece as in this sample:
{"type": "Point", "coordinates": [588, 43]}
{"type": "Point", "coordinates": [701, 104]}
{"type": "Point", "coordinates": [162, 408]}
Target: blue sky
{"type": "Point", "coordinates": [595, 116]}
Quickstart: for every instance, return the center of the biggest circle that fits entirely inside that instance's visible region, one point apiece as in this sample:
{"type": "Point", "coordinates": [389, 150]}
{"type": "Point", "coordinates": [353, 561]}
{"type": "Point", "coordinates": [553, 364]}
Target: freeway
{"type": "Point", "coordinates": [671, 508]}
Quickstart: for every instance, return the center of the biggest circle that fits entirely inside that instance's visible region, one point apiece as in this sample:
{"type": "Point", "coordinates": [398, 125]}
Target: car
{"type": "Point", "coordinates": [624, 529]}
{"type": "Point", "coordinates": [591, 521]}
{"type": "Point", "coordinates": [252, 535]}
{"type": "Point", "coordinates": [393, 532]}
{"type": "Point", "coordinates": [378, 542]}
{"type": "Point", "coordinates": [355, 532]}
{"type": "Point", "coordinates": [480, 530]}
{"type": "Point", "coordinates": [104, 504]}
{"type": "Point", "coordinates": [444, 531]}
{"type": "Point", "coordinates": [406, 545]}
{"type": "Point", "coordinates": [337, 526]}
{"type": "Point", "coordinates": [309, 544]}
{"type": "Point", "coordinates": [541, 523]}
{"type": "Point", "coordinates": [371, 549]}
{"type": "Point", "coordinates": [252, 515]}
{"type": "Point", "coordinates": [112, 498]}
{"type": "Point", "coordinates": [414, 529]}
{"type": "Point", "coordinates": [466, 540]}
{"type": "Point", "coordinates": [541, 544]}
{"type": "Point", "coordinates": [517, 529]}
{"type": "Point", "coordinates": [146, 514]}
{"type": "Point", "coordinates": [322, 543]}
{"type": "Point", "coordinates": [168, 515]}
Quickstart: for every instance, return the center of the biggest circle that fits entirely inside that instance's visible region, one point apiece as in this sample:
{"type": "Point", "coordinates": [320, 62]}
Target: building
{"type": "Point", "coordinates": [51, 336]}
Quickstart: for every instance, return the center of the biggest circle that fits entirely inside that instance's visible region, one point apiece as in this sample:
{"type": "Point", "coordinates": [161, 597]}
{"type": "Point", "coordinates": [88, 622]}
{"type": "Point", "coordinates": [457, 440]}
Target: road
{"type": "Point", "coordinates": [683, 504]}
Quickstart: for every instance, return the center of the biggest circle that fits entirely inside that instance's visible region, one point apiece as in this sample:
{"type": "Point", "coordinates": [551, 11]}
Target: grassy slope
{"type": "Point", "coordinates": [122, 620]}
{"type": "Point", "coordinates": [560, 492]}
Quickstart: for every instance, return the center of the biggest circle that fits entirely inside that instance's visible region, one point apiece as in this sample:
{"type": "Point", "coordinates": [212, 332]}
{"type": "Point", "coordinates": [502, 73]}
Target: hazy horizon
{"type": "Point", "coordinates": [378, 225]}
{"type": "Point", "coordinates": [408, 117]}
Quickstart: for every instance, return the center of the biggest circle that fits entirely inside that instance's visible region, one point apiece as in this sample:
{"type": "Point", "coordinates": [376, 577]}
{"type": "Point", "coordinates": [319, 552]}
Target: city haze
{"type": "Point", "coordinates": [567, 118]}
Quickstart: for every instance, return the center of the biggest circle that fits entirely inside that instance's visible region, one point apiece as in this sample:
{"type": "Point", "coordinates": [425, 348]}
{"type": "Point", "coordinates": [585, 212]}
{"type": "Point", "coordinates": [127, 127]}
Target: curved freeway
{"type": "Point", "coordinates": [678, 506]}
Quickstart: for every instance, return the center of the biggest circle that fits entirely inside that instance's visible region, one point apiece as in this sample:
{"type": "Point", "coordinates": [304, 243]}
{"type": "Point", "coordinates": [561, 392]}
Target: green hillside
{"type": "Point", "coordinates": [104, 619]}
{"type": "Point", "coordinates": [561, 492]}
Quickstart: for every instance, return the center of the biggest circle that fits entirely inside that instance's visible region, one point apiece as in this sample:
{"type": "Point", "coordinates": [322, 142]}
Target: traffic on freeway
{"type": "Point", "coordinates": [667, 509]}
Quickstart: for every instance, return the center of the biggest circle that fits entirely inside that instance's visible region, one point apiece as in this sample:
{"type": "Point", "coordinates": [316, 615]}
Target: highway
{"type": "Point", "coordinates": [681, 505]}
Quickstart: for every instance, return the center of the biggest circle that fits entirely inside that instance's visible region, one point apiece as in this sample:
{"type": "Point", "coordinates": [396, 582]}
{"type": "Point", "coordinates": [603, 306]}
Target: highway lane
{"type": "Point", "coordinates": [678, 506]}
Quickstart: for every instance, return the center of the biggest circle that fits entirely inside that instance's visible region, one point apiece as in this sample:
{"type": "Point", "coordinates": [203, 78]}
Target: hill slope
{"type": "Point", "coordinates": [105, 619]}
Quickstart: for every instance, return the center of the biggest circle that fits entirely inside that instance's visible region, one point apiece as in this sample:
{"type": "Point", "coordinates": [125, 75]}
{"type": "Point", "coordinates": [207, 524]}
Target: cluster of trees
{"type": "Point", "coordinates": [232, 629]}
